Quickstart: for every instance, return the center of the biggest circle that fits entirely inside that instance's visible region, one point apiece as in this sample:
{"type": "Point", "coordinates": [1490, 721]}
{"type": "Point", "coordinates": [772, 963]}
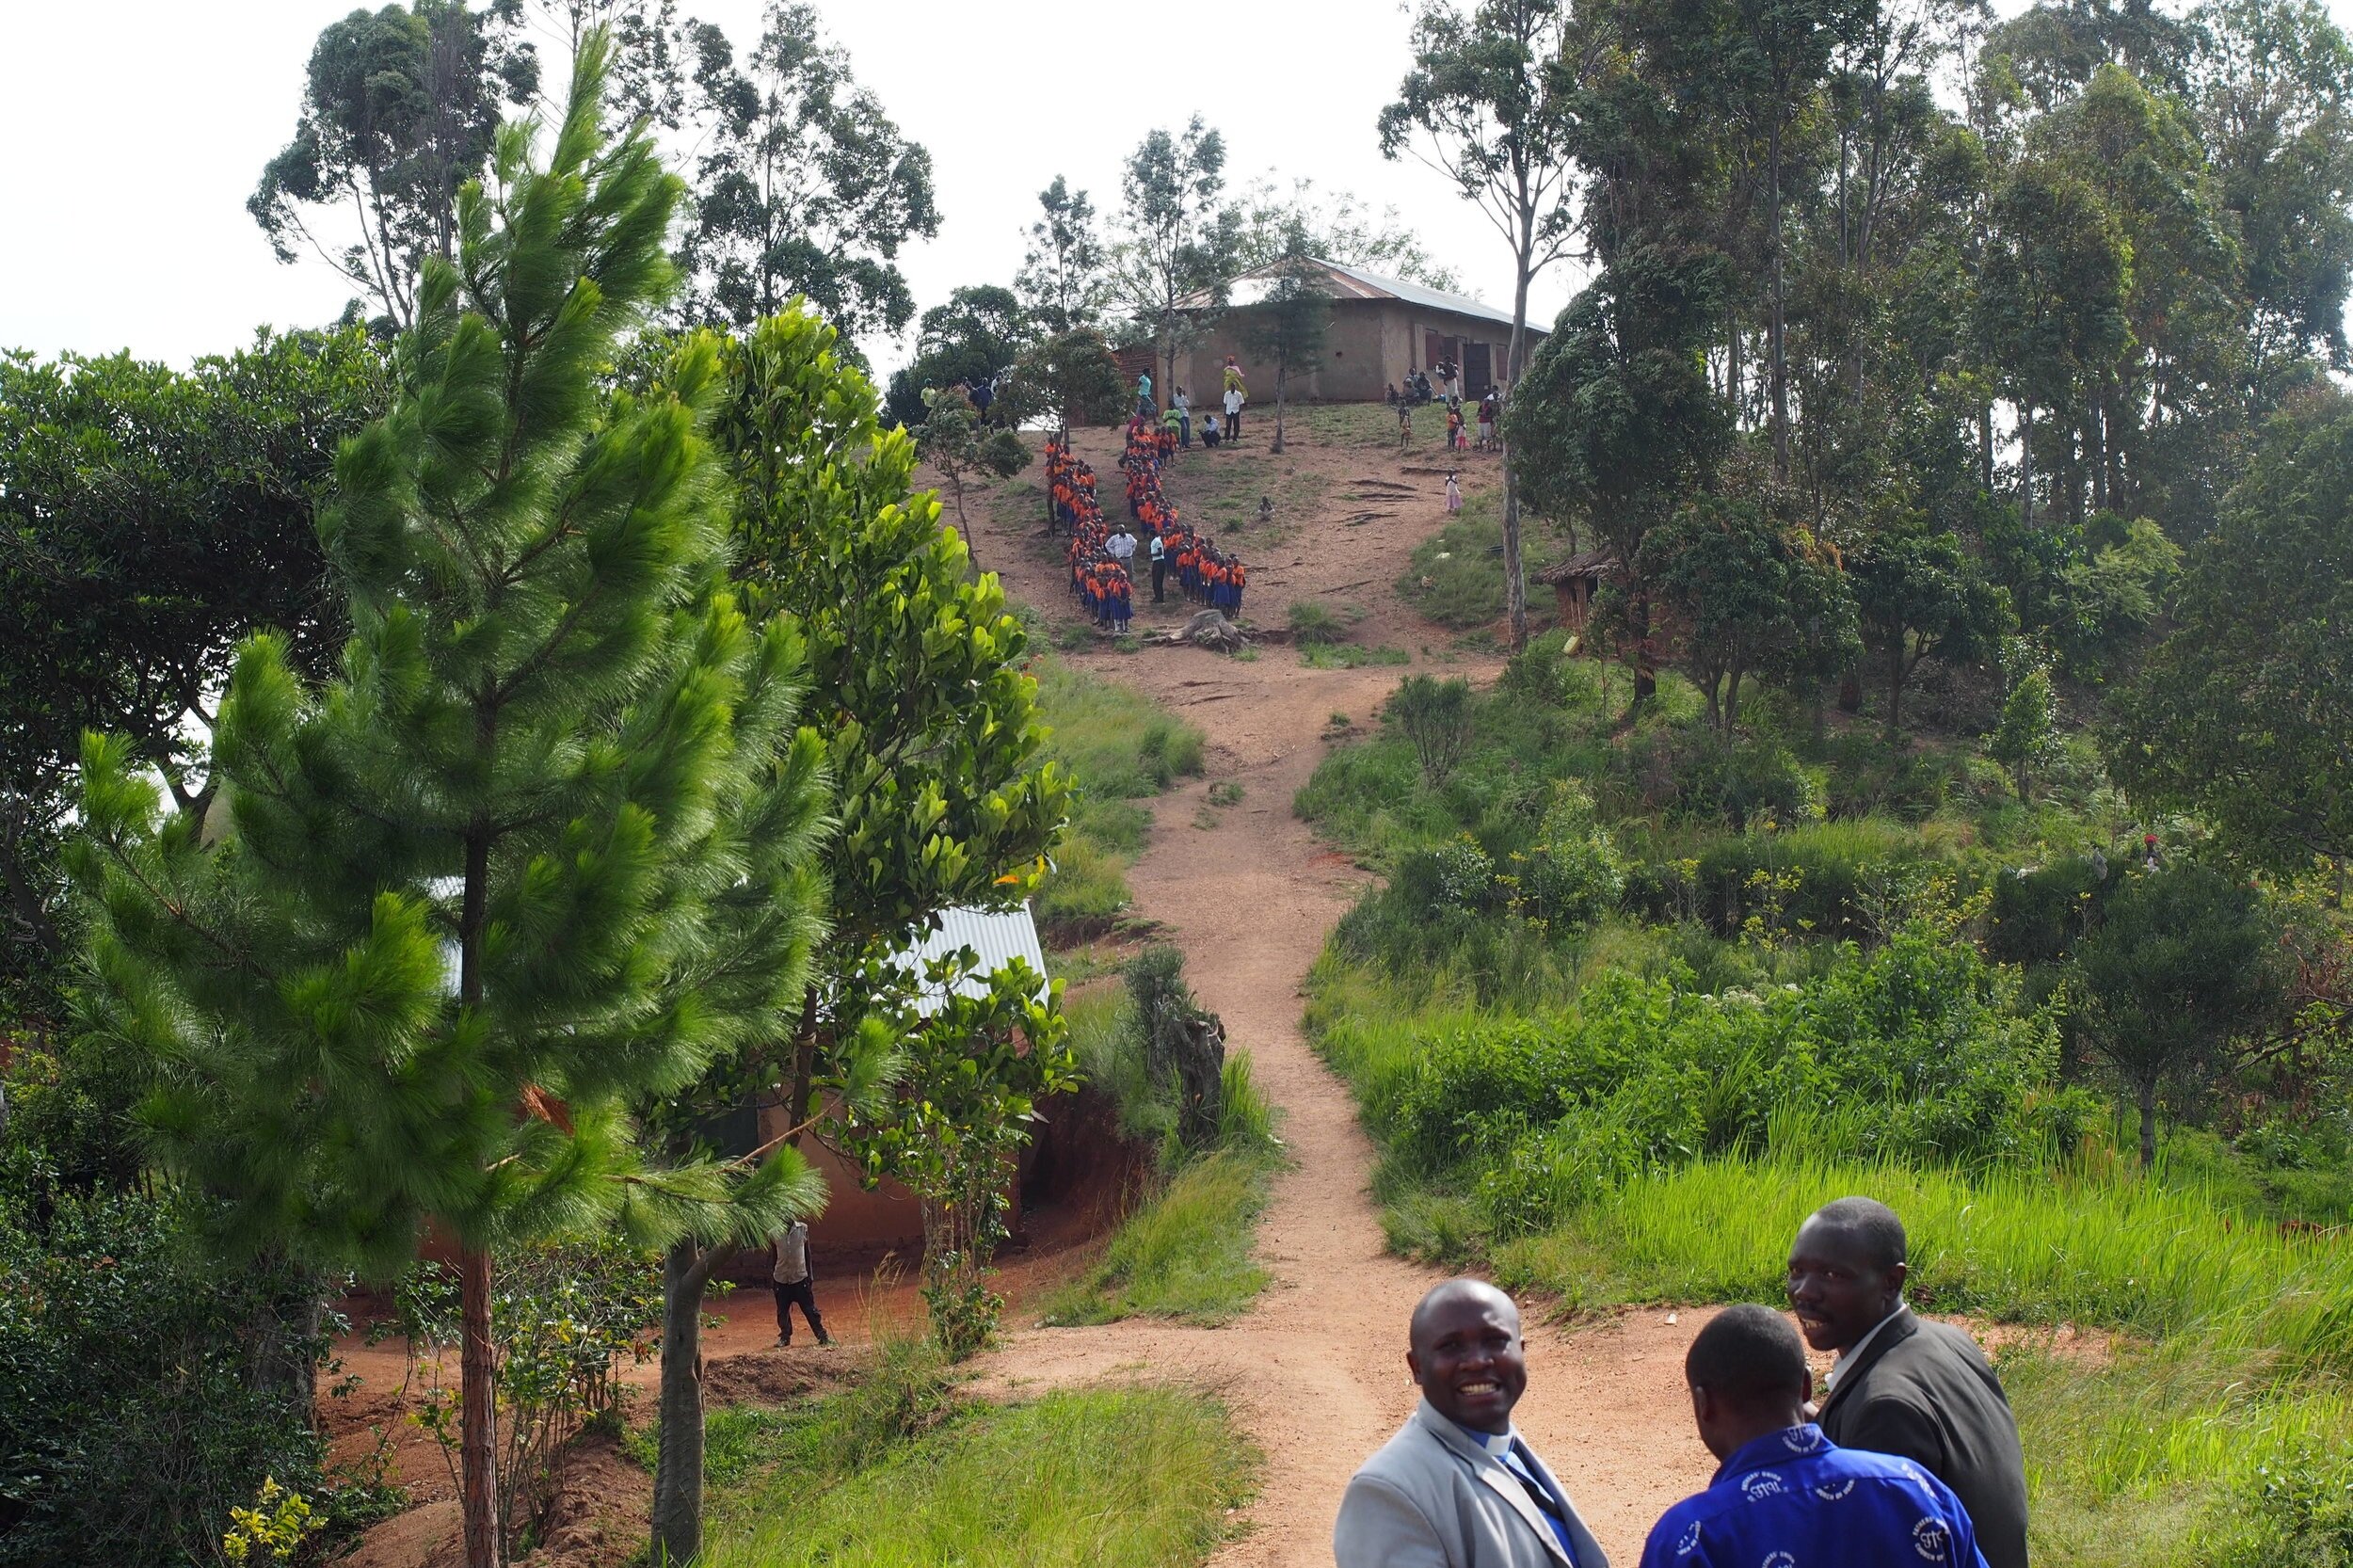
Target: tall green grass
{"type": "Point", "coordinates": [1105, 1479]}
{"type": "Point", "coordinates": [2043, 1247]}
{"type": "Point", "coordinates": [1120, 748]}
{"type": "Point", "coordinates": [1185, 1253]}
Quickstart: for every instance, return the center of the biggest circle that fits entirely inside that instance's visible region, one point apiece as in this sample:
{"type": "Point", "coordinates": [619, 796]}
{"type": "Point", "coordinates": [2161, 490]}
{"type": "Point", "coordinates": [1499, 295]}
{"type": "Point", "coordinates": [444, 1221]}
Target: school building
{"type": "Point", "coordinates": [1382, 329]}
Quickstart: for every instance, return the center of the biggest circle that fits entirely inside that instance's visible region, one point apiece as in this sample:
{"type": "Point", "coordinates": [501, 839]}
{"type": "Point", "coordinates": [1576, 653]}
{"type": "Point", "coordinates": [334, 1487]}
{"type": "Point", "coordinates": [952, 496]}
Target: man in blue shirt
{"type": "Point", "coordinates": [1786, 1496]}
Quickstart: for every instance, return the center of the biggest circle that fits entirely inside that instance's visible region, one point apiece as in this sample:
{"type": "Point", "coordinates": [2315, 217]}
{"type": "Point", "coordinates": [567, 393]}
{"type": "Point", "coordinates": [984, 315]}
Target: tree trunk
{"type": "Point", "coordinates": [1895, 690]}
{"type": "Point", "coordinates": [1279, 378]}
{"type": "Point", "coordinates": [1779, 324]}
{"type": "Point", "coordinates": [2026, 464]}
{"type": "Point", "coordinates": [2148, 1126]}
{"type": "Point", "coordinates": [1985, 446]}
{"type": "Point", "coordinates": [677, 1478]}
{"type": "Point", "coordinates": [477, 1443]}
{"type": "Point", "coordinates": [1515, 574]}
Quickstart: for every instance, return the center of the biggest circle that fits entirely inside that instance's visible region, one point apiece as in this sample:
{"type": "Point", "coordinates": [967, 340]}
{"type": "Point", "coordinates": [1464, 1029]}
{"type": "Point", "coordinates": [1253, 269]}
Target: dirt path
{"type": "Point", "coordinates": [1317, 1370]}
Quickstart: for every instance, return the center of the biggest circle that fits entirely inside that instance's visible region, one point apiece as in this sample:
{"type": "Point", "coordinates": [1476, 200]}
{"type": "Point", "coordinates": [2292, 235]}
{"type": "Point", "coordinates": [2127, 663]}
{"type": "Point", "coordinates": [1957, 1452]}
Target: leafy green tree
{"type": "Point", "coordinates": [953, 440]}
{"type": "Point", "coordinates": [1288, 326]}
{"type": "Point", "coordinates": [1747, 588]}
{"type": "Point", "coordinates": [399, 106]}
{"type": "Point", "coordinates": [1169, 193]}
{"type": "Point", "coordinates": [804, 187]}
{"type": "Point", "coordinates": [2026, 735]}
{"type": "Point", "coordinates": [1922, 597]}
{"type": "Point", "coordinates": [1064, 281]}
{"type": "Point", "coordinates": [1072, 378]}
{"type": "Point", "coordinates": [150, 518]}
{"type": "Point", "coordinates": [972, 340]}
{"type": "Point", "coordinates": [1258, 227]}
{"type": "Point", "coordinates": [1616, 421]}
{"type": "Point", "coordinates": [987, 1052]}
{"type": "Point", "coordinates": [931, 725]}
{"type": "Point", "coordinates": [2184, 969]}
{"type": "Point", "coordinates": [2244, 714]}
{"type": "Point", "coordinates": [508, 875]}
{"type": "Point", "coordinates": [1484, 103]}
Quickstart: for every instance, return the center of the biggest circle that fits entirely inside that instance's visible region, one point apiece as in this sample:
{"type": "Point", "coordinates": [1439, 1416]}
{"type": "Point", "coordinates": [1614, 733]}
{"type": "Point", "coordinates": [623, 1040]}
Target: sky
{"type": "Point", "coordinates": [130, 201]}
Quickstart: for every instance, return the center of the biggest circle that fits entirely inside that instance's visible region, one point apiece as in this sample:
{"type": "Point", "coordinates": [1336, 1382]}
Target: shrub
{"type": "Point", "coordinates": [2037, 912]}
{"type": "Point", "coordinates": [1311, 622]}
{"type": "Point", "coordinates": [1573, 875]}
{"type": "Point", "coordinates": [135, 1406]}
{"type": "Point", "coordinates": [1435, 715]}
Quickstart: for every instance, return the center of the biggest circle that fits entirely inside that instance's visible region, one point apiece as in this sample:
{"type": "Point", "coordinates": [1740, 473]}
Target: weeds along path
{"type": "Point", "coordinates": [1315, 1371]}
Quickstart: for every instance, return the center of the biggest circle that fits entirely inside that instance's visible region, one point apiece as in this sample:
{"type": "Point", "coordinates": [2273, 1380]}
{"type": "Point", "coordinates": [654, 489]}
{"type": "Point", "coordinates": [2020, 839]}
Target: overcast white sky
{"type": "Point", "coordinates": [132, 131]}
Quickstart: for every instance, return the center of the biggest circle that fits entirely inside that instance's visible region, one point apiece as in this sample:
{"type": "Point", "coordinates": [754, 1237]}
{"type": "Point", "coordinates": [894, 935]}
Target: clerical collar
{"type": "Point", "coordinates": [1495, 1444]}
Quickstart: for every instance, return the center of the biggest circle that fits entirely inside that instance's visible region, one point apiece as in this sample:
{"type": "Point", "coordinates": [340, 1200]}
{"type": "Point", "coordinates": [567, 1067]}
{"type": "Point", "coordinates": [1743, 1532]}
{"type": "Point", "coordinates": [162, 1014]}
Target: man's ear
{"type": "Point", "coordinates": [1412, 1364]}
{"type": "Point", "coordinates": [1805, 1395]}
{"type": "Point", "coordinates": [1897, 1274]}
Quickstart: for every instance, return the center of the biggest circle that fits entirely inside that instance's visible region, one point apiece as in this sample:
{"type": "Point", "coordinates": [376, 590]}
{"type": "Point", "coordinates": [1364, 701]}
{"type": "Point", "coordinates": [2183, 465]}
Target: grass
{"type": "Point", "coordinates": [1185, 1253]}
{"type": "Point", "coordinates": [1456, 577]}
{"type": "Point", "coordinates": [1120, 749]}
{"type": "Point", "coordinates": [893, 1473]}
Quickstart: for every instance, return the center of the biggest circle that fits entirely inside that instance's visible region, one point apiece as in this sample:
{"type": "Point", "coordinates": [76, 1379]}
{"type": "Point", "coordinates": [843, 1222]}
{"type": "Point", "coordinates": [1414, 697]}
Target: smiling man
{"type": "Point", "coordinates": [1458, 1487]}
{"type": "Point", "coordinates": [1903, 1385]}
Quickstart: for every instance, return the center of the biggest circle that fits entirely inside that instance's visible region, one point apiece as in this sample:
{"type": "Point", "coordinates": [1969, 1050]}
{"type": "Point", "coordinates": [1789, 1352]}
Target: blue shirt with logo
{"type": "Point", "coordinates": [1795, 1499]}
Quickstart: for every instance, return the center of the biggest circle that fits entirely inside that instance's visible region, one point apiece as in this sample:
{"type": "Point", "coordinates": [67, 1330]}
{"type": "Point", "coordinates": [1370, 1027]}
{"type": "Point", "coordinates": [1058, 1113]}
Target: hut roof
{"type": "Point", "coordinates": [1351, 282]}
{"type": "Point", "coordinates": [1593, 565]}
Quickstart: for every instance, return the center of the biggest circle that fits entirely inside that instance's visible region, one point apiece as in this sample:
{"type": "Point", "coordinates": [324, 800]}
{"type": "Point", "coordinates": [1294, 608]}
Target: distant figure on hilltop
{"type": "Point", "coordinates": [1458, 1486]}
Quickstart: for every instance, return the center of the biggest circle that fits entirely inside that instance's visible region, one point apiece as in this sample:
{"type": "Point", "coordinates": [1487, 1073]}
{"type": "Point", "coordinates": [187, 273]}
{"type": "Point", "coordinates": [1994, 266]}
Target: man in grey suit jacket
{"type": "Point", "coordinates": [1903, 1385]}
{"type": "Point", "coordinates": [1458, 1487]}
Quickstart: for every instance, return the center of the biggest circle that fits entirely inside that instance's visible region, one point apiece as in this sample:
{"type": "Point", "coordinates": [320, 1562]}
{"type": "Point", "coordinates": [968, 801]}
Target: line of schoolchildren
{"type": "Point", "coordinates": [1206, 574]}
{"type": "Point", "coordinates": [1099, 578]}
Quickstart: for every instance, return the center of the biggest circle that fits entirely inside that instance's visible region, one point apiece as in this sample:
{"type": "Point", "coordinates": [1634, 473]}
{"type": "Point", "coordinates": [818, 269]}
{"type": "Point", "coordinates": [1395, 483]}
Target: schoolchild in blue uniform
{"type": "Point", "coordinates": [1785, 1496]}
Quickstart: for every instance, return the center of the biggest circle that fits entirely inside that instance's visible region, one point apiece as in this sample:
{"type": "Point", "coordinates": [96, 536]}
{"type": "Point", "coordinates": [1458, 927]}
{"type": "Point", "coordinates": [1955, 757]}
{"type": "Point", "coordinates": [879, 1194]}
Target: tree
{"type": "Point", "coordinates": [1921, 598]}
{"type": "Point", "coordinates": [503, 879]}
{"type": "Point", "coordinates": [1616, 423]}
{"type": "Point", "coordinates": [988, 1050]}
{"type": "Point", "coordinates": [2184, 967]}
{"type": "Point", "coordinates": [1170, 189]}
{"type": "Point", "coordinates": [1259, 226]}
{"type": "Point", "coordinates": [398, 110]}
{"type": "Point", "coordinates": [1073, 377]}
{"type": "Point", "coordinates": [953, 441]}
{"type": "Point", "coordinates": [1749, 587]}
{"type": "Point", "coordinates": [1064, 282]}
{"type": "Point", "coordinates": [1482, 106]}
{"type": "Point", "coordinates": [2026, 735]}
{"type": "Point", "coordinates": [805, 187]}
{"type": "Point", "coordinates": [150, 520]}
{"type": "Point", "coordinates": [1288, 324]}
{"type": "Point", "coordinates": [972, 340]}
{"type": "Point", "coordinates": [930, 725]}
{"type": "Point", "coordinates": [2244, 714]}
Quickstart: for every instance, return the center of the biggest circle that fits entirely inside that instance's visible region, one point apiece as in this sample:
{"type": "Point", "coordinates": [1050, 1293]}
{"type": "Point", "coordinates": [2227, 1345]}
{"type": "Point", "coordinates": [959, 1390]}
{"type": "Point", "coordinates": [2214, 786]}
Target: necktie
{"type": "Point", "coordinates": [1515, 1460]}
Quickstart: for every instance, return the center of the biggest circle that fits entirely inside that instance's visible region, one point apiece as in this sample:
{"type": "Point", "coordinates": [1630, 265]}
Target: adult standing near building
{"type": "Point", "coordinates": [1235, 397]}
{"type": "Point", "coordinates": [796, 1281]}
{"type": "Point", "coordinates": [1145, 407]}
{"type": "Point", "coordinates": [1487, 421]}
{"type": "Point", "coordinates": [1902, 1385]}
{"type": "Point", "coordinates": [1458, 1486]}
{"type": "Point", "coordinates": [1183, 405]}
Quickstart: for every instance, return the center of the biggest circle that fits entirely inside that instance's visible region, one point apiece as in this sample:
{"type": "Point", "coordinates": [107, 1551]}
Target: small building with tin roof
{"type": "Point", "coordinates": [1383, 329]}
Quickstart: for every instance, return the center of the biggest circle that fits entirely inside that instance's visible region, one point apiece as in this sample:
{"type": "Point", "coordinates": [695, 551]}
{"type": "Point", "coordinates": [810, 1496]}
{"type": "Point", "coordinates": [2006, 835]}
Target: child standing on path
{"type": "Point", "coordinates": [1453, 496]}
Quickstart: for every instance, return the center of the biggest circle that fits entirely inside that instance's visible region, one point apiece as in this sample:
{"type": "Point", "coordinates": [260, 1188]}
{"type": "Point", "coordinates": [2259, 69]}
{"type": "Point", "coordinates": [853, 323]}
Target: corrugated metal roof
{"type": "Point", "coordinates": [996, 939]}
{"type": "Point", "coordinates": [1354, 283]}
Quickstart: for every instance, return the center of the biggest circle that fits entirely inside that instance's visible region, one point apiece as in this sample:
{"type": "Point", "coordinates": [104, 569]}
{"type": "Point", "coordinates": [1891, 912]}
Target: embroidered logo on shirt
{"type": "Point", "coordinates": [1780, 1559]}
{"type": "Point", "coordinates": [1759, 1484]}
{"type": "Point", "coordinates": [1801, 1440]}
{"type": "Point", "coordinates": [1928, 1538]}
{"type": "Point", "coordinates": [1690, 1542]}
{"type": "Point", "coordinates": [1830, 1490]}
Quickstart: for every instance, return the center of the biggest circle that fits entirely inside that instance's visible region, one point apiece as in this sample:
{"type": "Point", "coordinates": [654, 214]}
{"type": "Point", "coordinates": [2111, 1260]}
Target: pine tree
{"type": "Point", "coordinates": [541, 855]}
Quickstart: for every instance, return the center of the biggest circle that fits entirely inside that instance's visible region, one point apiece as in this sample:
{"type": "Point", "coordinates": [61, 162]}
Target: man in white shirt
{"type": "Point", "coordinates": [1121, 546]}
{"type": "Point", "coordinates": [796, 1283]}
{"type": "Point", "coordinates": [1233, 412]}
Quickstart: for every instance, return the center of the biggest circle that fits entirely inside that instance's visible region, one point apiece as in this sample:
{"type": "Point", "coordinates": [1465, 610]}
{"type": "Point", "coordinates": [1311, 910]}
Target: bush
{"type": "Point", "coordinates": [2037, 912]}
{"type": "Point", "coordinates": [1311, 622]}
{"type": "Point", "coordinates": [1434, 715]}
{"type": "Point", "coordinates": [1827, 879]}
{"type": "Point", "coordinates": [1573, 875]}
{"type": "Point", "coordinates": [138, 1399]}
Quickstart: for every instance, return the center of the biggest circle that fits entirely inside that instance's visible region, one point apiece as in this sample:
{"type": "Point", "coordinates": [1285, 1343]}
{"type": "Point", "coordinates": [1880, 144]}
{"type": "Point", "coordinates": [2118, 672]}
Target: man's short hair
{"type": "Point", "coordinates": [1877, 1234]}
{"type": "Point", "coordinates": [1746, 1356]}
